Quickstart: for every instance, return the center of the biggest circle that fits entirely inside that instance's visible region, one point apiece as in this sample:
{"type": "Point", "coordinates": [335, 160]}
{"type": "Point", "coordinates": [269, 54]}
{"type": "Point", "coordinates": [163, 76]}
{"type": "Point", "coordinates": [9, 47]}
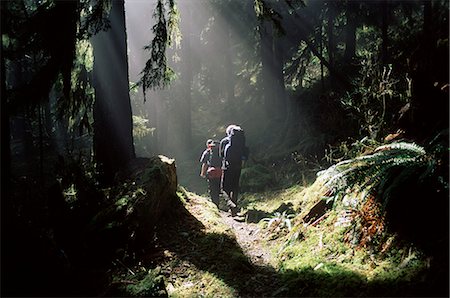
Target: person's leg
{"type": "Point", "coordinates": [214, 189]}
{"type": "Point", "coordinates": [234, 184]}
{"type": "Point", "coordinates": [226, 185]}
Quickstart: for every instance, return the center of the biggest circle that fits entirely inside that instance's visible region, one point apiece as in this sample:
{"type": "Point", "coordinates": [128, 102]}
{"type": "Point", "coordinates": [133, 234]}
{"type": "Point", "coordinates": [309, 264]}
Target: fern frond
{"type": "Point", "coordinates": [376, 173]}
{"type": "Point", "coordinates": [403, 146]}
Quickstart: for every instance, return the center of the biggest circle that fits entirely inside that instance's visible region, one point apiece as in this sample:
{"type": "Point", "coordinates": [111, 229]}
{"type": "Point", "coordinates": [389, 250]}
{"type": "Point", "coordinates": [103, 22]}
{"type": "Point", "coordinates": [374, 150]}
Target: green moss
{"type": "Point", "coordinates": [320, 261]}
{"type": "Point", "coordinates": [150, 286]}
{"type": "Point", "coordinates": [142, 284]}
{"type": "Point", "coordinates": [182, 194]}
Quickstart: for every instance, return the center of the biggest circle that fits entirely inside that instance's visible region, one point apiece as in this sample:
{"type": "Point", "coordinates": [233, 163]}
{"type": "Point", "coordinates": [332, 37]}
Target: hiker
{"type": "Point", "coordinates": [233, 152]}
{"type": "Point", "coordinates": [212, 169]}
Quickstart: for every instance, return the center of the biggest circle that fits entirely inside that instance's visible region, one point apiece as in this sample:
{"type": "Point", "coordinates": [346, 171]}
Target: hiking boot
{"type": "Point", "coordinates": [239, 218]}
{"type": "Point", "coordinates": [231, 204]}
{"type": "Point", "coordinates": [234, 211]}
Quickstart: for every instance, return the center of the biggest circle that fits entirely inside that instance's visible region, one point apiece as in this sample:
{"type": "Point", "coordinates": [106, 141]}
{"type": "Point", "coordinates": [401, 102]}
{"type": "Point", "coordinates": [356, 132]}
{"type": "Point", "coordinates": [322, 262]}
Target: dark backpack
{"type": "Point", "coordinates": [235, 150]}
{"type": "Point", "coordinates": [214, 159]}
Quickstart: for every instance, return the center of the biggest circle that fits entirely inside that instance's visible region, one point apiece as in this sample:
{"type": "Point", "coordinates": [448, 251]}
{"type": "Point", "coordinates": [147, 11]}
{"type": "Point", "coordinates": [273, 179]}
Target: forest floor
{"type": "Point", "coordinates": [249, 238]}
{"type": "Point", "coordinates": [204, 252]}
{"type": "Point", "coordinates": [210, 253]}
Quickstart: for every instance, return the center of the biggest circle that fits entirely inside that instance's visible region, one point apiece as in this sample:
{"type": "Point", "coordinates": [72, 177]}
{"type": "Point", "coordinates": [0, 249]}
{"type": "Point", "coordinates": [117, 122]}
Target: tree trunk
{"type": "Point", "coordinates": [333, 71]}
{"type": "Point", "coordinates": [280, 90]}
{"type": "Point", "coordinates": [153, 121]}
{"type": "Point", "coordinates": [272, 72]}
{"type": "Point", "coordinates": [186, 79]}
{"type": "Point", "coordinates": [113, 124]}
{"type": "Point", "coordinates": [229, 71]}
{"type": "Point", "coordinates": [163, 121]}
{"type": "Point", "coordinates": [5, 131]}
{"type": "Point", "coordinates": [330, 30]}
{"type": "Point", "coordinates": [384, 35]}
{"type": "Point", "coordinates": [266, 60]}
{"type": "Point", "coordinates": [427, 22]}
{"type": "Point", "coordinates": [350, 33]}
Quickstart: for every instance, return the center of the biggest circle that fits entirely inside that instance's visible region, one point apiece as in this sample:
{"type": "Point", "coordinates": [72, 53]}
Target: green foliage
{"type": "Point", "coordinates": [256, 177]}
{"type": "Point", "coordinates": [118, 212]}
{"type": "Point", "coordinates": [369, 173]}
{"type": "Point", "coordinates": [279, 221]}
{"type": "Point", "coordinates": [349, 149]}
{"type": "Point", "coordinates": [377, 95]}
{"type": "Point", "coordinates": [95, 17]}
{"type": "Point", "coordinates": [156, 72]}
{"type": "Point", "coordinates": [79, 106]}
{"type": "Point", "coordinates": [140, 128]}
{"type": "Point", "coordinates": [142, 284]}
{"type": "Point", "coordinates": [316, 260]}
{"type": "Point", "coordinates": [370, 40]}
{"type": "Point", "coordinates": [303, 70]}
{"type": "Point", "coordinates": [370, 190]}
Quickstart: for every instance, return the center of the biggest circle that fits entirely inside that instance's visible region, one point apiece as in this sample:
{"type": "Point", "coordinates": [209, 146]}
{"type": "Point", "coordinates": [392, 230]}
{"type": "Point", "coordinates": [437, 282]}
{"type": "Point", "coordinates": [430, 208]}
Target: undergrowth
{"type": "Point", "coordinates": [373, 224]}
{"type": "Point", "coordinates": [335, 237]}
{"type": "Point", "coordinates": [350, 227]}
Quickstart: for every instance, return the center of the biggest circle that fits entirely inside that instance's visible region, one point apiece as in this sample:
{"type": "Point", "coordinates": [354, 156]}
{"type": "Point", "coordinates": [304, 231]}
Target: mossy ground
{"type": "Point", "coordinates": [203, 252]}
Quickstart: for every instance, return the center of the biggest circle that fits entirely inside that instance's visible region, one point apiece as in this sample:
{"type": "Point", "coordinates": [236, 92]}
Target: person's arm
{"type": "Point", "coordinates": [203, 160]}
{"type": "Point", "coordinates": [223, 143]}
{"type": "Point", "coordinates": [203, 171]}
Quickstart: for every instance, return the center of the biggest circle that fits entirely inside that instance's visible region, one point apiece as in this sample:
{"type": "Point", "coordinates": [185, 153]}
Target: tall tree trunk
{"type": "Point", "coordinates": [272, 71]}
{"type": "Point", "coordinates": [350, 32]}
{"type": "Point", "coordinates": [229, 71]}
{"type": "Point", "coordinates": [280, 90]}
{"type": "Point", "coordinates": [162, 121]}
{"type": "Point", "coordinates": [330, 33]}
{"type": "Point", "coordinates": [320, 40]}
{"type": "Point", "coordinates": [384, 30]}
{"type": "Point", "coordinates": [187, 79]}
{"type": "Point", "coordinates": [113, 124]}
{"type": "Point", "coordinates": [333, 71]}
{"type": "Point", "coordinates": [6, 133]}
{"type": "Point", "coordinates": [302, 34]}
{"type": "Point", "coordinates": [427, 22]}
{"type": "Point", "coordinates": [266, 60]}
{"type": "Point", "coordinates": [153, 121]}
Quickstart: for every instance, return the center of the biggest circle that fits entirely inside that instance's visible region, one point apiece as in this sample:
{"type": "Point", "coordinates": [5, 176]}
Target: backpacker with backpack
{"type": "Point", "coordinates": [234, 150]}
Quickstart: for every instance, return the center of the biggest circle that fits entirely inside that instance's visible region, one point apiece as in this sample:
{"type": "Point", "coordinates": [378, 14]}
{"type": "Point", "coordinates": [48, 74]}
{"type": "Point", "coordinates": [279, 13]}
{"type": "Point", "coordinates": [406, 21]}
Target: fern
{"type": "Point", "coordinates": [369, 171]}
{"type": "Point", "coordinates": [279, 221]}
{"type": "Point", "coordinates": [364, 187]}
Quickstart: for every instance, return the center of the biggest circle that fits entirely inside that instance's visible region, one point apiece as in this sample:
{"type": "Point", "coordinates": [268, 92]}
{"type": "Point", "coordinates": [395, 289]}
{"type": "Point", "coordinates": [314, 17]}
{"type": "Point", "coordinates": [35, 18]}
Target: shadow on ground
{"type": "Point", "coordinates": [222, 256]}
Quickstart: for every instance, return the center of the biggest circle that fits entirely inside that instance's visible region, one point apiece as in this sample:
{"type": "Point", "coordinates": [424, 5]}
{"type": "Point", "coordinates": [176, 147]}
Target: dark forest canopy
{"type": "Point", "coordinates": [89, 86]}
{"type": "Point", "coordinates": [363, 60]}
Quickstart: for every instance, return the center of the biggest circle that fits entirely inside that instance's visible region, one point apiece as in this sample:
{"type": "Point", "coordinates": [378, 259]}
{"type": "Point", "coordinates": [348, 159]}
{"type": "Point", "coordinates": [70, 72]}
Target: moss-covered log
{"type": "Point", "coordinates": [145, 192]}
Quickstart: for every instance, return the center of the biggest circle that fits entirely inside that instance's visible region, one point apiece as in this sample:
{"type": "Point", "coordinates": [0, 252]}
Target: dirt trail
{"type": "Point", "coordinates": [211, 253]}
{"type": "Point", "coordinates": [248, 235]}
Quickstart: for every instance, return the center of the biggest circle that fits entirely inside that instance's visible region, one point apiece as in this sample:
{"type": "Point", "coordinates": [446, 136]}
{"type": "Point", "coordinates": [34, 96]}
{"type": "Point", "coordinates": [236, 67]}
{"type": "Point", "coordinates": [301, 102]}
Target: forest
{"type": "Point", "coordinates": [106, 107]}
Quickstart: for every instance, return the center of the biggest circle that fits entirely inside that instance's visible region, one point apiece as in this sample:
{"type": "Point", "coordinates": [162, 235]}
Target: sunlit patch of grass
{"type": "Point", "coordinates": [270, 200]}
{"type": "Point", "coordinates": [312, 257]}
{"type": "Point", "coordinates": [323, 256]}
{"type": "Point", "coordinates": [207, 213]}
